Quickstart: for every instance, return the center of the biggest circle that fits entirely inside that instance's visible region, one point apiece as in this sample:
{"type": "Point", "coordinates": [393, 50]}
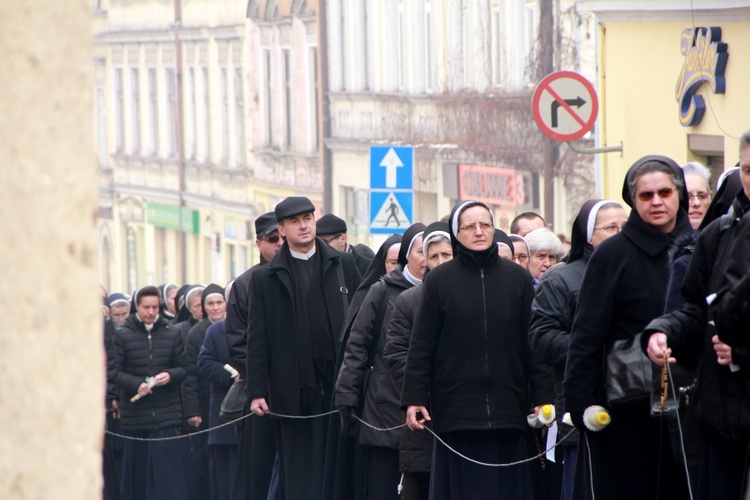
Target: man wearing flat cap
{"type": "Point", "coordinates": [332, 230]}
{"type": "Point", "coordinates": [297, 307]}
{"type": "Point", "coordinates": [257, 447]}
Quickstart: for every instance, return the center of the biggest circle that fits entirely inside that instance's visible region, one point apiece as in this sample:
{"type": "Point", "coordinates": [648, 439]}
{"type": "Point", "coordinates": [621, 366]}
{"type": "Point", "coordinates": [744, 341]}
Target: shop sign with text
{"type": "Point", "coordinates": [505, 187]}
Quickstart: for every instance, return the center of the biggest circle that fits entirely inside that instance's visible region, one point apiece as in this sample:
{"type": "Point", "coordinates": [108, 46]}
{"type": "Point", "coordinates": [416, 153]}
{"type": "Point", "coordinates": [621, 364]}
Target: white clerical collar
{"type": "Point", "coordinates": [410, 277]}
{"type": "Point", "coordinates": [149, 326]}
{"type": "Point", "coordinates": [303, 256]}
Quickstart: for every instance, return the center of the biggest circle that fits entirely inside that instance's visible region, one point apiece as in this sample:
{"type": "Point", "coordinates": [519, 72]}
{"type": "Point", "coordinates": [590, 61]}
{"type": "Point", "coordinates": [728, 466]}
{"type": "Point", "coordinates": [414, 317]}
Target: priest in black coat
{"type": "Point", "coordinates": [297, 307]}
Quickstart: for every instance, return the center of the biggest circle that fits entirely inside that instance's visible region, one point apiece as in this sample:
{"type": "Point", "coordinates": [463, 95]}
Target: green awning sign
{"type": "Point", "coordinates": [168, 216]}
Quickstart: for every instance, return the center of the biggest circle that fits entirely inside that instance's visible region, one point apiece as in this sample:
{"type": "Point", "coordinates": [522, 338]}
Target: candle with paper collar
{"type": "Point", "coordinates": [150, 382]}
{"type": "Point", "coordinates": [545, 417]}
{"type": "Point", "coordinates": [596, 418]}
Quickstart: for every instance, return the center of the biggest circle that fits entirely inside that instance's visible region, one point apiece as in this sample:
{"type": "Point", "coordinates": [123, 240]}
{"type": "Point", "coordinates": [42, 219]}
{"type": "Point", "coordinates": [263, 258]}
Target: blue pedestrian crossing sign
{"type": "Point", "coordinates": [391, 167]}
{"type": "Point", "coordinates": [390, 211]}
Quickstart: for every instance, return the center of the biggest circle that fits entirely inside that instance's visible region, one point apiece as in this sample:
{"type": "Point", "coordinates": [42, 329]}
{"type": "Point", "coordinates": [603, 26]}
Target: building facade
{"type": "Point", "coordinates": [670, 80]}
{"type": "Point", "coordinates": [452, 79]}
{"type": "Point", "coordinates": [205, 118]}
{"type": "Point", "coordinates": [208, 112]}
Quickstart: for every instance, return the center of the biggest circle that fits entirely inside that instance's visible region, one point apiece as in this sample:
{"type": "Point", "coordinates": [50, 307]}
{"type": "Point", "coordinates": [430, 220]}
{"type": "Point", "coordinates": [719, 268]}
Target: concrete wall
{"type": "Point", "coordinates": [51, 355]}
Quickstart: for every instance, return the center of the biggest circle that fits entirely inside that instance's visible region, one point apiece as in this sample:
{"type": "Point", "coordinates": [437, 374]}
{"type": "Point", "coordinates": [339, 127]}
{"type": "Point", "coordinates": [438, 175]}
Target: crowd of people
{"type": "Point", "coordinates": [422, 370]}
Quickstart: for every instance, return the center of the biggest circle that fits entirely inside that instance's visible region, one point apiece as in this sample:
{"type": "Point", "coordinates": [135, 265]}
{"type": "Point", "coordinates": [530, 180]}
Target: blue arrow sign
{"type": "Point", "coordinates": [391, 167]}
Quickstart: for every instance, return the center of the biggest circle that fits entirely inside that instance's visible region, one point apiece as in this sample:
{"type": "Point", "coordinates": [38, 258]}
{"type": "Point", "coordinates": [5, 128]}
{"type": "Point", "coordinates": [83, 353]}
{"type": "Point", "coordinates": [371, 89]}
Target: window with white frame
{"type": "Point", "coordinates": [288, 121]}
{"type": "Point", "coordinates": [192, 128]}
{"type": "Point", "coordinates": [496, 40]}
{"type": "Point", "coordinates": [314, 89]}
{"type": "Point", "coordinates": [429, 48]}
{"type": "Point", "coordinates": [153, 110]}
{"type": "Point", "coordinates": [224, 89]}
{"type": "Point", "coordinates": [119, 111]}
{"type": "Point", "coordinates": [239, 118]}
{"type": "Point", "coordinates": [267, 98]}
{"type": "Point", "coordinates": [172, 110]}
{"type": "Point", "coordinates": [135, 114]}
{"type": "Point", "coordinates": [204, 117]}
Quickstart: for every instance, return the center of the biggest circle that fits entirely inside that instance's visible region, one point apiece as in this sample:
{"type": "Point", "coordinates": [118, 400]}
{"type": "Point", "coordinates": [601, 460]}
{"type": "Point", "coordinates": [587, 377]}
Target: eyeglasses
{"type": "Point", "coordinates": [701, 196]}
{"type": "Point", "coordinates": [649, 195]}
{"type": "Point", "coordinates": [470, 228]}
{"type": "Point", "coordinates": [610, 229]}
{"type": "Point", "coordinates": [273, 239]}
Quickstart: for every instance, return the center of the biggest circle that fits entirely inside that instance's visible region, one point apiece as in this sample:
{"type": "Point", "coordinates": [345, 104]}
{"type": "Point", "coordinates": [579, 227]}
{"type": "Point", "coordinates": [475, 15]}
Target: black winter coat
{"type": "Point", "coordinates": [552, 313]}
{"type": "Point", "coordinates": [236, 324]}
{"type": "Point", "coordinates": [362, 261]}
{"type": "Point", "coordinates": [381, 406]}
{"type": "Point", "coordinates": [211, 360]}
{"type": "Point", "coordinates": [415, 448]}
{"type": "Point", "coordinates": [140, 355]}
{"type": "Point", "coordinates": [722, 397]}
{"type": "Point", "coordinates": [196, 390]}
{"type": "Point", "coordinates": [469, 360]}
{"type": "Point", "coordinates": [272, 342]}
{"type": "Point", "coordinates": [624, 288]}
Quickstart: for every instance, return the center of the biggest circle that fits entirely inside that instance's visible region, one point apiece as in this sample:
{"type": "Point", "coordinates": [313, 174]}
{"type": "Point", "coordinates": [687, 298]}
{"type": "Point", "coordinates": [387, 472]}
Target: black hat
{"type": "Point", "coordinates": [330, 224]}
{"type": "Point", "coordinates": [265, 224]}
{"type": "Point", "coordinates": [293, 205]}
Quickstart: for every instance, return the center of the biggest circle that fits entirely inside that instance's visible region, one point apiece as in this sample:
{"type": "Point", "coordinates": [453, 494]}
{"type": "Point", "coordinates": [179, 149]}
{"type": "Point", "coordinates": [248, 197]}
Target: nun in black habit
{"type": "Point", "coordinates": [624, 287]}
{"type": "Point", "coordinates": [345, 471]}
{"type": "Point", "coordinates": [553, 307]}
{"type": "Point", "coordinates": [470, 362]}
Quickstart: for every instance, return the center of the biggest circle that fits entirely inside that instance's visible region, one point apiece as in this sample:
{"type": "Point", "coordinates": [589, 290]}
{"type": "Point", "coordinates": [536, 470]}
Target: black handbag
{"type": "Point", "coordinates": [628, 373]}
{"type": "Point", "coordinates": [233, 404]}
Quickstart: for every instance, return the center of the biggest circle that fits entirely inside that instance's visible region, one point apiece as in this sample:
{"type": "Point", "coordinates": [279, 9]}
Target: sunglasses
{"type": "Point", "coordinates": [649, 195]}
{"type": "Point", "coordinates": [273, 239]}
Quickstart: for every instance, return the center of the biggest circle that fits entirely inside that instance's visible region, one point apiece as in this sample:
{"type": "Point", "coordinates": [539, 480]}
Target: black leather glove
{"type": "Point", "coordinates": [348, 422]}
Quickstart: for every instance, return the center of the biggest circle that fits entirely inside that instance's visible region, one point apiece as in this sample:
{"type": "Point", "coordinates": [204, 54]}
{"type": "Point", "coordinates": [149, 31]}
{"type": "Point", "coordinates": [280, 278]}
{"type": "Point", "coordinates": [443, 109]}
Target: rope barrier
{"type": "Point", "coordinates": [298, 417]}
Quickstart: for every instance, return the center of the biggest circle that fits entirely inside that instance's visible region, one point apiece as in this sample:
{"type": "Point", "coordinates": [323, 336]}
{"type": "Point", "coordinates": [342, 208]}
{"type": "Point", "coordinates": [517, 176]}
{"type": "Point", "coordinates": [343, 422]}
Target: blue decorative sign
{"type": "Point", "coordinates": [705, 62]}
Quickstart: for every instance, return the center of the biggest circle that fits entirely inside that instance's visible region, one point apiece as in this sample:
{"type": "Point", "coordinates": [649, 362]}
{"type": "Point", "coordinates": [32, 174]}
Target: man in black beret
{"type": "Point", "coordinates": [297, 308]}
{"type": "Point", "coordinates": [332, 230]}
{"type": "Point", "coordinates": [257, 447]}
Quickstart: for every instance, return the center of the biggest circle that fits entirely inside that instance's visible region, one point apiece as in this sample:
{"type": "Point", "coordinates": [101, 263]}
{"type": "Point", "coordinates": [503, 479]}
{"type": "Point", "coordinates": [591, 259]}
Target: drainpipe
{"type": "Point", "coordinates": [324, 122]}
{"type": "Point", "coordinates": [177, 25]}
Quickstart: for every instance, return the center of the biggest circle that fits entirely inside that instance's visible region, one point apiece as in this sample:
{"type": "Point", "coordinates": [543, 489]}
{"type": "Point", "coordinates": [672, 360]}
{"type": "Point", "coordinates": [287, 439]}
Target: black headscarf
{"type": "Point", "coordinates": [725, 195]}
{"type": "Point", "coordinates": [409, 236]}
{"type": "Point", "coordinates": [673, 166]}
{"type": "Point", "coordinates": [184, 314]}
{"type": "Point", "coordinates": [579, 233]}
{"type": "Point", "coordinates": [480, 256]}
{"type": "Point", "coordinates": [501, 237]}
{"type": "Point", "coordinates": [650, 239]}
{"type": "Point", "coordinates": [210, 289]}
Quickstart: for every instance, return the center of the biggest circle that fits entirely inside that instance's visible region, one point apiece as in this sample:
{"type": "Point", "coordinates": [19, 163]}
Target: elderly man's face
{"type": "Point", "coordinates": [540, 261]}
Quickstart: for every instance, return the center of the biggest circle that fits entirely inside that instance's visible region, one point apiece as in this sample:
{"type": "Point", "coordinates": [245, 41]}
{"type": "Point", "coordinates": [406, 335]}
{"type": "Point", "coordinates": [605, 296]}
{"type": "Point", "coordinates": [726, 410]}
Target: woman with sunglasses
{"type": "Point", "coordinates": [624, 287]}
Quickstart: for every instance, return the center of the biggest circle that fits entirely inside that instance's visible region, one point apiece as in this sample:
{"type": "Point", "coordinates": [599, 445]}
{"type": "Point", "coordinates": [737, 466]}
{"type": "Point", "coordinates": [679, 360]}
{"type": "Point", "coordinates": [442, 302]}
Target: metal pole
{"type": "Point", "coordinates": [180, 139]}
{"type": "Point", "coordinates": [593, 151]}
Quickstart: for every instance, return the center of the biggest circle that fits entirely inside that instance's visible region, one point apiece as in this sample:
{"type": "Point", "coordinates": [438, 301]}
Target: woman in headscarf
{"type": "Point", "coordinates": [223, 442]}
{"type": "Point", "coordinates": [624, 287]}
{"type": "Point", "coordinates": [415, 448]}
{"type": "Point", "coordinates": [554, 305]}
{"type": "Point", "coordinates": [469, 360]}
{"type": "Point", "coordinates": [348, 468]}
{"type": "Point", "coordinates": [363, 380]}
